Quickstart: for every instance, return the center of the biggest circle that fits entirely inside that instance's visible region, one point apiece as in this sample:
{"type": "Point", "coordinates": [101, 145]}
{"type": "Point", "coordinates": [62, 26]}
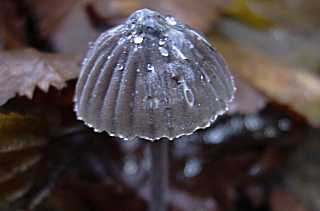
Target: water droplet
{"type": "Point", "coordinates": [130, 37]}
{"type": "Point", "coordinates": [188, 95]}
{"type": "Point", "coordinates": [162, 42]}
{"type": "Point", "coordinates": [150, 67]}
{"type": "Point", "coordinates": [89, 125]}
{"type": "Point", "coordinates": [151, 103]}
{"type": "Point", "coordinates": [122, 40]}
{"type": "Point", "coordinates": [91, 44]}
{"type": "Point", "coordinates": [163, 51]}
{"type": "Point", "coordinates": [140, 18]}
{"type": "Point", "coordinates": [85, 62]}
{"type": "Point", "coordinates": [119, 67]}
{"type": "Point", "coordinates": [97, 130]}
{"type": "Point", "coordinates": [138, 39]}
{"type": "Point", "coordinates": [192, 168]}
{"type": "Point", "coordinates": [171, 20]}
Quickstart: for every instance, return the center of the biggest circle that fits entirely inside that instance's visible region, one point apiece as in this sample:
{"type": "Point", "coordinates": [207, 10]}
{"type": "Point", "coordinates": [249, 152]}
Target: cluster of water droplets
{"type": "Point", "coordinates": [138, 39]}
{"type": "Point", "coordinates": [151, 42]}
{"type": "Point", "coordinates": [171, 20]}
{"type": "Point", "coordinates": [163, 51]}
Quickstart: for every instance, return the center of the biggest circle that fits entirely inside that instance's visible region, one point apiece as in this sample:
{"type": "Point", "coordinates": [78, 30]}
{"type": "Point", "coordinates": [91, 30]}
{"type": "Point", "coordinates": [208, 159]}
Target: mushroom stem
{"type": "Point", "coordinates": [159, 175]}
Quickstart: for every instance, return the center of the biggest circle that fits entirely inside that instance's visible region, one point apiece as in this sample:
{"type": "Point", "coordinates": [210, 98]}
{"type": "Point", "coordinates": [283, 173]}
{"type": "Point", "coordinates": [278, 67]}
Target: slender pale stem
{"type": "Point", "coordinates": [159, 175]}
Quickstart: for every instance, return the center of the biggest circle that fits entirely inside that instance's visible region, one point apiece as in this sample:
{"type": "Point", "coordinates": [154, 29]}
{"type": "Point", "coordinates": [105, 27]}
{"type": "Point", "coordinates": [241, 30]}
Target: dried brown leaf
{"type": "Point", "coordinates": [200, 15]}
{"type": "Point", "coordinates": [77, 28]}
{"type": "Point", "coordinates": [247, 99]}
{"type": "Point", "coordinates": [48, 19]}
{"type": "Point", "coordinates": [74, 32]}
{"type": "Point", "coordinates": [12, 25]}
{"type": "Point", "coordinates": [21, 71]}
{"type": "Point", "coordinates": [292, 87]}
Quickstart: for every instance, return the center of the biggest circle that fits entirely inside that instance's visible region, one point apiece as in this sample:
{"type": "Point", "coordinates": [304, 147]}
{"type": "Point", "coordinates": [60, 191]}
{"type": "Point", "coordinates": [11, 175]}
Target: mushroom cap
{"type": "Point", "coordinates": [152, 77]}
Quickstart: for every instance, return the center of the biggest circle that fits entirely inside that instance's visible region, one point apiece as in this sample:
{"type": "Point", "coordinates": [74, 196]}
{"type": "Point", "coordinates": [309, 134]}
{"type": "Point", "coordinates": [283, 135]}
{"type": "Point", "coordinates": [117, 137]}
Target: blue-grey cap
{"type": "Point", "coordinates": [152, 77]}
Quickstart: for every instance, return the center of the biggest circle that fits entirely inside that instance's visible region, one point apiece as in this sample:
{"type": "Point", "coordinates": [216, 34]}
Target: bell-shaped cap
{"type": "Point", "coordinates": [152, 77]}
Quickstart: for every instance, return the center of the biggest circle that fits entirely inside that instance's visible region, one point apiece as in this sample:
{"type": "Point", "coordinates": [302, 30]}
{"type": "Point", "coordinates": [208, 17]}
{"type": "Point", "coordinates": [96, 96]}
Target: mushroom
{"type": "Point", "coordinates": [152, 78]}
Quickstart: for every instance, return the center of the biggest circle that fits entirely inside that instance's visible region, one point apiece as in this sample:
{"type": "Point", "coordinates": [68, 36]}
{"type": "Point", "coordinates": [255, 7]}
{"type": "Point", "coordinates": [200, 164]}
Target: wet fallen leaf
{"type": "Point", "coordinates": [18, 132]}
{"type": "Point", "coordinates": [93, 168]}
{"type": "Point", "coordinates": [21, 138]}
{"type": "Point", "coordinates": [13, 163]}
{"type": "Point", "coordinates": [14, 188]}
{"type": "Point", "coordinates": [292, 87]}
{"type": "Point", "coordinates": [24, 70]}
{"type": "Point", "coordinates": [32, 158]}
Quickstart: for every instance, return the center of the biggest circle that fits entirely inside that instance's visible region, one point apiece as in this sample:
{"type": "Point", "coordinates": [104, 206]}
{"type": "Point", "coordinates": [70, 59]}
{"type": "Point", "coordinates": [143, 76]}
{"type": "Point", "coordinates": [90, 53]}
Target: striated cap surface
{"type": "Point", "coordinates": [152, 77]}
